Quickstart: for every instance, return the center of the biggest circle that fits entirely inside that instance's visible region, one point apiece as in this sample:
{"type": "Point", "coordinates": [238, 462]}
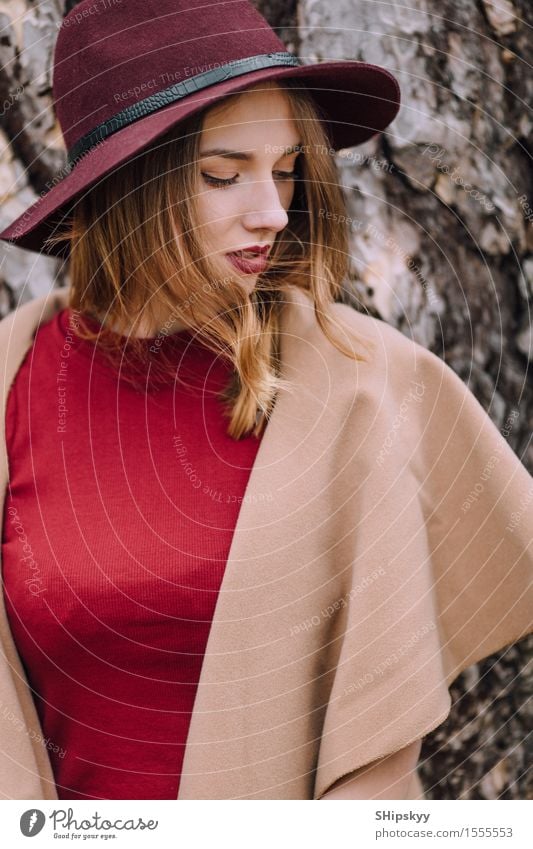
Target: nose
{"type": "Point", "coordinates": [268, 212]}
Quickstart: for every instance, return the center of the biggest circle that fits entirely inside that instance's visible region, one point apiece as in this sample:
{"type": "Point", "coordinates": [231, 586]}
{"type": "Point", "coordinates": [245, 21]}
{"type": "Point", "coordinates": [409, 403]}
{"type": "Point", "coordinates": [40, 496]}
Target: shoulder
{"type": "Point", "coordinates": [18, 330]}
{"type": "Point", "coordinates": [407, 382]}
{"type": "Point", "coordinates": [387, 356]}
{"type": "Point", "coordinates": [28, 317]}
{"type": "Point", "coordinates": [384, 374]}
{"type": "Point", "coordinates": [382, 336]}
{"type": "Point", "coordinates": [395, 357]}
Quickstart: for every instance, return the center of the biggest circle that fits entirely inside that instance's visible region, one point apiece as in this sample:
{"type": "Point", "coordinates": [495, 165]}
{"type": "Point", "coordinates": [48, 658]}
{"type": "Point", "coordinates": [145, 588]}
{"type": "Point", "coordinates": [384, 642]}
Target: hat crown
{"type": "Point", "coordinates": [111, 54]}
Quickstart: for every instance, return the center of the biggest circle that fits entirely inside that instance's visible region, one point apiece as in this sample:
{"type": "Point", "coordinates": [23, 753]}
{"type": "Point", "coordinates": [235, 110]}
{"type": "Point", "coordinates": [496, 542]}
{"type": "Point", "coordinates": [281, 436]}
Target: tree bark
{"type": "Point", "coordinates": [441, 246]}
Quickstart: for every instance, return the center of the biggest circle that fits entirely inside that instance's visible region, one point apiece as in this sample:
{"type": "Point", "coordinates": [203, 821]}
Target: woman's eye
{"type": "Point", "coordinates": [218, 181]}
{"type": "Point", "coordinates": [288, 175]}
{"type": "Point", "coordinates": [229, 181]}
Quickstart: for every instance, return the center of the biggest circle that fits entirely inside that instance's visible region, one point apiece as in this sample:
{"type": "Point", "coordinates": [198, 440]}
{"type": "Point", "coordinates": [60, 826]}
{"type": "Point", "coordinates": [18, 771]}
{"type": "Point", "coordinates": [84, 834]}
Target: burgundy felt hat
{"type": "Point", "coordinates": [126, 71]}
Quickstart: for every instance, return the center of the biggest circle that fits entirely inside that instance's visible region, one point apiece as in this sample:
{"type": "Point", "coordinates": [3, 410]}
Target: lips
{"type": "Point", "coordinates": [257, 249]}
{"type": "Point", "coordinates": [251, 260]}
{"type": "Point", "coordinates": [248, 264]}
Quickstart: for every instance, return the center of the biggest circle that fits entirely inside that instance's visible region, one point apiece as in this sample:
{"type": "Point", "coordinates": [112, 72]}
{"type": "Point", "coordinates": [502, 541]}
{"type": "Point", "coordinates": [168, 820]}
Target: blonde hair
{"type": "Point", "coordinates": [135, 253]}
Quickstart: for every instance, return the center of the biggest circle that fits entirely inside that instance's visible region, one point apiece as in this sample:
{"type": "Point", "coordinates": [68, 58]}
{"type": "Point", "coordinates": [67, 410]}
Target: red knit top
{"type": "Point", "coordinates": [117, 526]}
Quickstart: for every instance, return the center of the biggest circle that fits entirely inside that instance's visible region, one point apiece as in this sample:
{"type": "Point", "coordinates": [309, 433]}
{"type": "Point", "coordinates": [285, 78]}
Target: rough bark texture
{"type": "Point", "coordinates": [450, 268]}
{"type": "Point", "coordinates": [31, 148]}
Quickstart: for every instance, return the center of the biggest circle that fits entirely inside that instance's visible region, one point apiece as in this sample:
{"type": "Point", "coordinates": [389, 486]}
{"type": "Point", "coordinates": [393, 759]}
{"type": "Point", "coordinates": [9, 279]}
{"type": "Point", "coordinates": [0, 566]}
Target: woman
{"type": "Point", "coordinates": [231, 601]}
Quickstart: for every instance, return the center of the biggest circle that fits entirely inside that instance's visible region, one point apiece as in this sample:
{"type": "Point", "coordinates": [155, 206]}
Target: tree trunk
{"type": "Point", "coordinates": [441, 246]}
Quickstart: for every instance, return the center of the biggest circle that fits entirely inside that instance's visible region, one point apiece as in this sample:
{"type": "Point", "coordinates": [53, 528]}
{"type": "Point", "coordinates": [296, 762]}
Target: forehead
{"type": "Point", "coordinates": [264, 108]}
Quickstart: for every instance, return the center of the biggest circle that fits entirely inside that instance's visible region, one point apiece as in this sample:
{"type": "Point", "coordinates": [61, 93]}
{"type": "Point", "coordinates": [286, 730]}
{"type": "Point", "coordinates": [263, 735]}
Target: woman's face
{"type": "Point", "coordinates": [246, 184]}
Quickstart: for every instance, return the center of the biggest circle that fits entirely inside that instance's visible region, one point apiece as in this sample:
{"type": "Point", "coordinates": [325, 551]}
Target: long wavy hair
{"type": "Point", "coordinates": [136, 256]}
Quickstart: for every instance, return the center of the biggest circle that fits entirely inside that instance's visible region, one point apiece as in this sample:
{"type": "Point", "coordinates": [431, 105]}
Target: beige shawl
{"type": "Point", "coordinates": [383, 545]}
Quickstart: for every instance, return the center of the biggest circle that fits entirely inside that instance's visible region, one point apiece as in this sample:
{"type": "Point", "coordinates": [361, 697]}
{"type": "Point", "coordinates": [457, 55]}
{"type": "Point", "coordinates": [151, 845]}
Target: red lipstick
{"type": "Point", "coordinates": [251, 260]}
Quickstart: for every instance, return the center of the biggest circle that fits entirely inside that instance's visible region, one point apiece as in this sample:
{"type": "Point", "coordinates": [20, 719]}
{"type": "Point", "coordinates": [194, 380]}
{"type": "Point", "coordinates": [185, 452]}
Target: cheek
{"type": "Point", "coordinates": [217, 210]}
{"type": "Point", "coordinates": [214, 210]}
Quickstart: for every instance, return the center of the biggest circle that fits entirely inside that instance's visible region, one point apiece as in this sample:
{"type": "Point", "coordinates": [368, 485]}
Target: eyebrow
{"type": "Point", "coordinates": [239, 154]}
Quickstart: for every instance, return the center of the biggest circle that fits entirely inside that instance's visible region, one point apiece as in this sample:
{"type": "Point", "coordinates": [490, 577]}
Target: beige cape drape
{"type": "Point", "coordinates": [383, 545]}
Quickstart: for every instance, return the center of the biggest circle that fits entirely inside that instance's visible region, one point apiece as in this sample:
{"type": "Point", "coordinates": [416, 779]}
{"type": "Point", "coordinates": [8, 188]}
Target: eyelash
{"type": "Point", "coordinates": [230, 181]}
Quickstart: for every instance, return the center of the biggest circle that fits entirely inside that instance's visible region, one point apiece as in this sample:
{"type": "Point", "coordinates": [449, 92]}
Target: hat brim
{"type": "Point", "coordinates": [358, 100]}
